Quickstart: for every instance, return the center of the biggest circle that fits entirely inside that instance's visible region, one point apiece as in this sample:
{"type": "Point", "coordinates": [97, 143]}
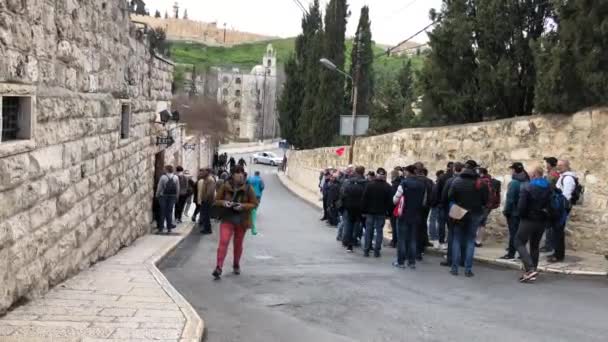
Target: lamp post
{"type": "Point", "coordinates": [331, 66]}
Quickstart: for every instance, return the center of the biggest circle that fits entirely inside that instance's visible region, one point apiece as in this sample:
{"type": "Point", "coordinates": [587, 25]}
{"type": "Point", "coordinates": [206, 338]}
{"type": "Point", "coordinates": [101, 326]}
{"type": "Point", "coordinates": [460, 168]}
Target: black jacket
{"type": "Point", "coordinates": [439, 187]}
{"type": "Point", "coordinates": [352, 193]}
{"type": "Point", "coordinates": [444, 202]}
{"type": "Point", "coordinates": [534, 200]}
{"type": "Point", "coordinates": [468, 193]}
{"type": "Point", "coordinates": [377, 198]}
{"type": "Point", "coordinates": [333, 194]}
{"type": "Point", "coordinates": [428, 193]}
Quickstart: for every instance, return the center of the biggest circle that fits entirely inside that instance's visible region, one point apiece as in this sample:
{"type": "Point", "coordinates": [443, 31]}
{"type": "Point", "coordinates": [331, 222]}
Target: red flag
{"type": "Point", "coordinates": [340, 151]}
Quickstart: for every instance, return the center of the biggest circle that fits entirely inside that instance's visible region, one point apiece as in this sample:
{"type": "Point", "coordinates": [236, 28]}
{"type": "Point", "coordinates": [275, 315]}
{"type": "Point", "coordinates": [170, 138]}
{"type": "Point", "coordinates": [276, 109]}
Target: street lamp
{"type": "Point", "coordinates": [331, 66]}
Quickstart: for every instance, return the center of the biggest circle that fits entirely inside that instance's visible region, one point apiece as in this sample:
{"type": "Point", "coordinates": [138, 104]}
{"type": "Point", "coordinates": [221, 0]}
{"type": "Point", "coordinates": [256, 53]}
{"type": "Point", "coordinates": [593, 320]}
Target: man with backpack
{"type": "Point", "coordinates": [352, 195]}
{"type": "Point", "coordinates": [167, 192]}
{"type": "Point", "coordinates": [551, 175]}
{"type": "Point", "coordinates": [493, 186]}
{"type": "Point", "coordinates": [445, 203]}
{"type": "Point", "coordinates": [442, 211]}
{"type": "Point", "coordinates": [423, 233]}
{"type": "Point", "coordinates": [572, 190]}
{"type": "Point", "coordinates": [519, 177]}
{"type": "Point", "coordinates": [376, 204]}
{"type": "Point", "coordinates": [534, 207]}
{"type": "Point", "coordinates": [183, 194]}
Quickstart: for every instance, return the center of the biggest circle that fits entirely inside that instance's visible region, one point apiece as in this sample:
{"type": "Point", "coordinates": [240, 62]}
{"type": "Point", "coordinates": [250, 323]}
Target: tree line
{"type": "Point", "coordinates": [488, 59]}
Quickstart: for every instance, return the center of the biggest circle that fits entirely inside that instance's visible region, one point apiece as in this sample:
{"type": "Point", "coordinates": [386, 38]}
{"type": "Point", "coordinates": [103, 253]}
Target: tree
{"type": "Point", "coordinates": [311, 46]}
{"type": "Point", "coordinates": [449, 74]}
{"type": "Point", "coordinates": [331, 87]}
{"type": "Point", "coordinates": [572, 61]}
{"type": "Point", "coordinates": [139, 7]}
{"type": "Point", "coordinates": [202, 116]}
{"type": "Point", "coordinates": [166, 15]}
{"type": "Point", "coordinates": [362, 59]}
{"type": "Point", "coordinates": [157, 14]}
{"type": "Point", "coordinates": [185, 15]}
{"type": "Point", "coordinates": [290, 103]}
{"type": "Point", "coordinates": [393, 101]}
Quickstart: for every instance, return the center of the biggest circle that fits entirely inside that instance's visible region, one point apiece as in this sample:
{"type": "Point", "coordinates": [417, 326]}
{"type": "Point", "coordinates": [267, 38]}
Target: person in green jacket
{"type": "Point", "coordinates": [519, 177]}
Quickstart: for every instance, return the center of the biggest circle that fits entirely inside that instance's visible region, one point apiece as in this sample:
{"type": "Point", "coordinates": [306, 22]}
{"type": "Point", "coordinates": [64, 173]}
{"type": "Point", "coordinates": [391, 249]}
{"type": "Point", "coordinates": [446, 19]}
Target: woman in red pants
{"type": "Point", "coordinates": [236, 200]}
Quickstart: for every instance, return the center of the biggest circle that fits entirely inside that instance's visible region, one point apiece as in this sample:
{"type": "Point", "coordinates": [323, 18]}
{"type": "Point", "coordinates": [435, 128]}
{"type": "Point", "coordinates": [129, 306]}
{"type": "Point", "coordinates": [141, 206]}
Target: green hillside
{"type": "Point", "coordinates": [246, 56]}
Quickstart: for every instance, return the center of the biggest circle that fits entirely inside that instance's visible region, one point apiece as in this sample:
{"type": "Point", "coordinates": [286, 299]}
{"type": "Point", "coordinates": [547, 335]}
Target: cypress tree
{"type": "Point", "coordinates": [290, 103]}
{"type": "Point", "coordinates": [362, 59]}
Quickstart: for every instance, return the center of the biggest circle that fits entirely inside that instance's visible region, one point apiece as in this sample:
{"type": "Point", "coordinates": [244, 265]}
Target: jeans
{"type": "Point", "coordinates": [166, 212]}
{"type": "Point", "coordinates": [450, 241]}
{"type": "Point", "coordinates": [375, 223]}
{"type": "Point", "coordinates": [351, 224]}
{"type": "Point", "coordinates": [227, 230]}
{"type": "Point", "coordinates": [406, 241]}
{"type": "Point", "coordinates": [340, 226]}
{"type": "Point", "coordinates": [513, 223]}
{"type": "Point", "coordinates": [205, 217]}
{"type": "Point", "coordinates": [394, 229]}
{"type": "Point", "coordinates": [465, 229]}
{"type": "Point", "coordinates": [442, 220]}
{"type": "Point", "coordinates": [422, 234]}
{"type": "Point", "coordinates": [529, 231]}
{"type": "Point", "coordinates": [179, 206]}
{"type": "Point", "coordinates": [559, 237]}
{"type": "Point", "coordinates": [549, 238]}
{"type": "Point", "coordinates": [434, 224]}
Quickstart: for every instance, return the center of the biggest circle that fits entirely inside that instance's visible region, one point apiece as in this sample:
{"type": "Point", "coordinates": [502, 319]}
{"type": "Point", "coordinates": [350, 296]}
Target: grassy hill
{"type": "Point", "coordinates": [246, 56]}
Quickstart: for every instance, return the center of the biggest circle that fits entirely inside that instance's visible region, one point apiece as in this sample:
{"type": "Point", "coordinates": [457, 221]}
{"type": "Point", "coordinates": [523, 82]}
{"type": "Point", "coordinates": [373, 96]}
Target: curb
{"type": "Point", "coordinates": [480, 259]}
{"type": "Point", "coordinates": [194, 328]}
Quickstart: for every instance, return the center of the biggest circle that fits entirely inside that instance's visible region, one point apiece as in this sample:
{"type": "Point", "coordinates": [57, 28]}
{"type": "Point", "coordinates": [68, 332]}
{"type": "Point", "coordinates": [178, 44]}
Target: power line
{"type": "Point", "coordinates": [300, 6]}
{"type": "Point", "coordinates": [389, 50]}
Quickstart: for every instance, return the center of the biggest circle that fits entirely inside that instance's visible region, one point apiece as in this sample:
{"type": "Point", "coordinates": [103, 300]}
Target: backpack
{"type": "Point", "coordinates": [170, 186]}
{"type": "Point", "coordinates": [183, 185]}
{"type": "Point", "coordinates": [493, 191]}
{"type": "Point", "coordinates": [558, 208]}
{"type": "Point", "coordinates": [578, 191]}
{"type": "Point", "coordinates": [353, 194]}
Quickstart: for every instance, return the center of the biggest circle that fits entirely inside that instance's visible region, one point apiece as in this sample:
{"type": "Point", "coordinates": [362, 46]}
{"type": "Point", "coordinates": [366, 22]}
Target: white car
{"type": "Point", "coordinates": [267, 158]}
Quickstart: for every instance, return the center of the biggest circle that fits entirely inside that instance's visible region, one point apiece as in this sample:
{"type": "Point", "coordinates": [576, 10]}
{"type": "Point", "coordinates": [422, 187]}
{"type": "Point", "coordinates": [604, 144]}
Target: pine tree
{"type": "Point", "coordinates": [185, 15]}
{"type": "Point", "coordinates": [157, 14]}
{"type": "Point", "coordinates": [572, 62]}
{"type": "Point", "coordinates": [362, 59]}
{"type": "Point", "coordinates": [166, 15]}
{"type": "Point", "coordinates": [449, 75]}
{"type": "Point", "coordinates": [331, 88]}
{"type": "Point", "coordinates": [392, 101]}
{"type": "Point", "coordinates": [311, 45]}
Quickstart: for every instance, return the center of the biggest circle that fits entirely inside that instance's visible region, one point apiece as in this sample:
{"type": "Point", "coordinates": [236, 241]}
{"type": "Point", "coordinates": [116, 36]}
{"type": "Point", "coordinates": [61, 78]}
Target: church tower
{"type": "Point", "coordinates": [270, 61]}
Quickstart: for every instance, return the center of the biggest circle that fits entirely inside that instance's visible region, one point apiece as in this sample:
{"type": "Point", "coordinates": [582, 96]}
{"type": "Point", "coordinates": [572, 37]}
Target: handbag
{"type": "Point", "coordinates": [457, 212]}
{"type": "Point", "coordinates": [398, 210]}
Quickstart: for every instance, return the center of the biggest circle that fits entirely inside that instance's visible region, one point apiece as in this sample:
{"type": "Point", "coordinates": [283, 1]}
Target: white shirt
{"type": "Point", "coordinates": [567, 184]}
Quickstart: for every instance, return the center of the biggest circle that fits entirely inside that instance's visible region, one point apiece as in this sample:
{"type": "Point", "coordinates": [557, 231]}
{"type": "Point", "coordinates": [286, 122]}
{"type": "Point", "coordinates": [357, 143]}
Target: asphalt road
{"type": "Point", "coordinates": [299, 285]}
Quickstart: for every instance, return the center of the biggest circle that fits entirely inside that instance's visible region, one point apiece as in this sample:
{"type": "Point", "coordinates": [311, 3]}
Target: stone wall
{"type": "Point", "coordinates": [579, 138]}
{"type": "Point", "coordinates": [75, 192]}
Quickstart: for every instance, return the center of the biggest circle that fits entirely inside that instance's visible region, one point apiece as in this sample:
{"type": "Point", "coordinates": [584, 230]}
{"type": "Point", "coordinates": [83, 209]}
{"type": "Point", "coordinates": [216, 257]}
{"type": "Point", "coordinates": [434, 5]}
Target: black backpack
{"type": "Point", "coordinates": [578, 191]}
{"type": "Point", "coordinates": [353, 194]}
{"type": "Point", "coordinates": [170, 186]}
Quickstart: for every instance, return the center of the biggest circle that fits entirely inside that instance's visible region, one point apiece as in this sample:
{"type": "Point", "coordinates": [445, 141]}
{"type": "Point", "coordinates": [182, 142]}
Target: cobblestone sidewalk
{"type": "Point", "coordinates": [124, 298]}
{"type": "Point", "coordinates": [576, 263]}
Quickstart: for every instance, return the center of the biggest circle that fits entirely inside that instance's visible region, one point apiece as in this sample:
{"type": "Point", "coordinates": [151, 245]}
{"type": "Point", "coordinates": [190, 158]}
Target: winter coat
{"type": "Point", "coordinates": [377, 198]}
{"type": "Point", "coordinates": [258, 185]}
{"type": "Point", "coordinates": [439, 187]}
{"type": "Point", "coordinates": [246, 198]}
{"type": "Point", "coordinates": [413, 189]}
{"type": "Point", "coordinates": [333, 194]}
{"type": "Point", "coordinates": [513, 194]}
{"type": "Point", "coordinates": [469, 193]}
{"type": "Point", "coordinates": [534, 200]}
{"type": "Point", "coordinates": [205, 190]}
{"type": "Point", "coordinates": [352, 192]}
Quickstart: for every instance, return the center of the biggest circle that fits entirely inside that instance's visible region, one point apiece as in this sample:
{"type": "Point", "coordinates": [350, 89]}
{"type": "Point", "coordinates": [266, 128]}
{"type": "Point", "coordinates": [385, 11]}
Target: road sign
{"type": "Point", "coordinates": [361, 125]}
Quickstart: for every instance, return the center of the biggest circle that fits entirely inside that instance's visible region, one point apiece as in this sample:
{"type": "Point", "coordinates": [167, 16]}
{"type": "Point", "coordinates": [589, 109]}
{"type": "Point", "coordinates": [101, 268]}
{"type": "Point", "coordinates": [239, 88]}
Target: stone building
{"type": "Point", "coordinates": [251, 98]}
{"type": "Point", "coordinates": [80, 94]}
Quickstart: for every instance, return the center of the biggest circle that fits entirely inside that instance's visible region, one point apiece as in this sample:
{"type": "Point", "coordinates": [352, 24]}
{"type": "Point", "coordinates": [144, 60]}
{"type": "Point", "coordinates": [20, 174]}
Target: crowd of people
{"type": "Point", "coordinates": [227, 195]}
{"type": "Point", "coordinates": [451, 212]}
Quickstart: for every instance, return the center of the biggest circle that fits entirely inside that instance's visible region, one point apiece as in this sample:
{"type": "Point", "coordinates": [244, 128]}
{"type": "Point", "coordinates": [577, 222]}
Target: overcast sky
{"type": "Point", "coordinates": [392, 20]}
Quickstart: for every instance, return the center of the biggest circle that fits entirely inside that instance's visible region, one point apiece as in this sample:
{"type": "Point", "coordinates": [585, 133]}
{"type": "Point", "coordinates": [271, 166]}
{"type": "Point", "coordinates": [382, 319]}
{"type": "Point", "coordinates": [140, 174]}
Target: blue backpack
{"type": "Point", "coordinates": [558, 208]}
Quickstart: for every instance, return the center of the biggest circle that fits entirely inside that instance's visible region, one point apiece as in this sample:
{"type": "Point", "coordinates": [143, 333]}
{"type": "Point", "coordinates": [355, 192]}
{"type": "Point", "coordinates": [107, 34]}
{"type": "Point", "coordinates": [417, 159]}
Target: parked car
{"type": "Point", "coordinates": [267, 158]}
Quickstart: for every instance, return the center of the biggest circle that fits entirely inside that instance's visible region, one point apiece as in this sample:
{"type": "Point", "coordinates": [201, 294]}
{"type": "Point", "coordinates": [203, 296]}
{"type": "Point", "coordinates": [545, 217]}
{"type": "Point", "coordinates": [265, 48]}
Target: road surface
{"type": "Point", "coordinates": [299, 285]}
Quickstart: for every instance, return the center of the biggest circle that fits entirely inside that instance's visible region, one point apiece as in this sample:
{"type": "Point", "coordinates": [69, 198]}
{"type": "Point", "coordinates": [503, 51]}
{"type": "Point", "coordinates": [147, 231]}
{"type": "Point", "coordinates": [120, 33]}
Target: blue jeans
{"type": "Point", "coordinates": [406, 241]}
{"type": "Point", "coordinates": [340, 226]}
{"type": "Point", "coordinates": [465, 231]}
{"type": "Point", "coordinates": [167, 203]}
{"type": "Point", "coordinates": [352, 222]}
{"type": "Point", "coordinates": [374, 223]}
{"type": "Point", "coordinates": [513, 223]}
{"type": "Point", "coordinates": [434, 224]}
{"type": "Point", "coordinates": [442, 220]}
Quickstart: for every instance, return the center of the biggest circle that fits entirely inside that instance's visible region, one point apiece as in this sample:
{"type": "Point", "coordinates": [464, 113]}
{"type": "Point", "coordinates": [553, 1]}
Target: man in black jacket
{"type": "Point", "coordinates": [442, 214]}
{"type": "Point", "coordinates": [376, 205]}
{"type": "Point", "coordinates": [396, 179]}
{"type": "Point", "coordinates": [333, 196]}
{"type": "Point", "coordinates": [471, 195]}
{"type": "Point", "coordinates": [445, 204]}
{"type": "Point", "coordinates": [423, 234]}
{"type": "Point", "coordinates": [352, 193]}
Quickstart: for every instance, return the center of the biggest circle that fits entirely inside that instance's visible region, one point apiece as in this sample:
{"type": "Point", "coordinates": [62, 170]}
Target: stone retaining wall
{"type": "Point", "coordinates": [581, 138]}
{"type": "Point", "coordinates": [75, 192]}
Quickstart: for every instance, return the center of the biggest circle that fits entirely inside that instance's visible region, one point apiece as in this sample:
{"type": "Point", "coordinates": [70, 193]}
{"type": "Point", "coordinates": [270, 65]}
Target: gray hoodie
{"type": "Point", "coordinates": [160, 189]}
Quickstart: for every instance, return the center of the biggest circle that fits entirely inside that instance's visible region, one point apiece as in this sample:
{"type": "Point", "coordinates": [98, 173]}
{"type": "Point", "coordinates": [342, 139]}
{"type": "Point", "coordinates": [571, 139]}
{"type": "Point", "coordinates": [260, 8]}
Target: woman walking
{"type": "Point", "coordinates": [236, 200]}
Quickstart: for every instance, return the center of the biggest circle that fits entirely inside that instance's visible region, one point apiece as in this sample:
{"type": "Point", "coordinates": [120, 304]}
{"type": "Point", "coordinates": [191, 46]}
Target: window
{"type": "Point", "coordinates": [237, 93]}
{"type": "Point", "coordinates": [225, 91]}
{"type": "Point", "coordinates": [125, 120]}
{"type": "Point", "coordinates": [226, 79]}
{"type": "Point", "coordinates": [258, 106]}
{"type": "Point", "coordinates": [269, 63]}
{"type": "Point", "coordinates": [268, 72]}
{"type": "Point", "coordinates": [238, 80]}
{"type": "Point", "coordinates": [16, 118]}
{"type": "Point", "coordinates": [237, 104]}
{"type": "Point", "coordinates": [225, 103]}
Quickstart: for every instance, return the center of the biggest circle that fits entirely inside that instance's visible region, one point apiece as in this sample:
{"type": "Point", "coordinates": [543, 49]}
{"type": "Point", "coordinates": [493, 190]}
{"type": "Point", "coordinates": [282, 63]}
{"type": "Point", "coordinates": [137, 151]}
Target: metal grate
{"type": "Point", "coordinates": [10, 118]}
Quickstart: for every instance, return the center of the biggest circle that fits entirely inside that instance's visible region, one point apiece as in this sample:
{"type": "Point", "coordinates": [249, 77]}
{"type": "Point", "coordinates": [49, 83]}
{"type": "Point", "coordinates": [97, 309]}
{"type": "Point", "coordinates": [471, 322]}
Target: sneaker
{"type": "Point", "coordinates": [445, 264]}
{"type": "Point", "coordinates": [349, 249]}
{"type": "Point", "coordinates": [411, 266]}
{"type": "Point", "coordinates": [528, 276]}
{"type": "Point", "coordinates": [553, 259]}
{"type": "Point", "coordinates": [546, 250]}
{"type": "Point", "coordinates": [398, 265]}
{"type": "Point", "coordinates": [507, 257]}
{"type": "Point", "coordinates": [478, 244]}
{"type": "Point", "coordinates": [419, 257]}
{"type": "Point", "coordinates": [443, 246]}
{"type": "Point", "coordinates": [193, 219]}
{"type": "Point", "coordinates": [366, 254]}
{"type": "Point", "coordinates": [377, 254]}
{"type": "Point", "coordinates": [469, 274]}
{"type": "Point", "coordinates": [217, 273]}
{"type": "Point", "coordinates": [454, 272]}
{"type": "Point", "coordinates": [236, 270]}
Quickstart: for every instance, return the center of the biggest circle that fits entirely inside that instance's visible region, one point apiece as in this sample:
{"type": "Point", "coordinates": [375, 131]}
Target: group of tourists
{"type": "Point", "coordinates": [460, 199]}
{"type": "Point", "coordinates": [231, 197]}
{"type": "Point", "coordinates": [221, 162]}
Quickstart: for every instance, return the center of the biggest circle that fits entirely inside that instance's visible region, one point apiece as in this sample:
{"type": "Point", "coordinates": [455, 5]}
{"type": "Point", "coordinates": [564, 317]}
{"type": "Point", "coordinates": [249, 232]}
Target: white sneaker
{"type": "Point", "coordinates": [443, 246]}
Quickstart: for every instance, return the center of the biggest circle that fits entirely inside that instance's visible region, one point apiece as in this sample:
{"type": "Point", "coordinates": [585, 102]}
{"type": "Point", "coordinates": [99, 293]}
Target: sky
{"type": "Point", "coordinates": [392, 20]}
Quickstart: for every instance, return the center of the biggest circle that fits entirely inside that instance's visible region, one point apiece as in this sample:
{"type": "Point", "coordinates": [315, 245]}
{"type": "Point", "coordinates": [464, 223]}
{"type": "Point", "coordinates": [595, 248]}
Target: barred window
{"type": "Point", "coordinates": [16, 118]}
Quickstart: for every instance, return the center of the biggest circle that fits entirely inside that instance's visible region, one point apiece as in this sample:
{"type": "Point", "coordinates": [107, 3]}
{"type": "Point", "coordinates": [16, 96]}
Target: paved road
{"type": "Point", "coordinates": [298, 285]}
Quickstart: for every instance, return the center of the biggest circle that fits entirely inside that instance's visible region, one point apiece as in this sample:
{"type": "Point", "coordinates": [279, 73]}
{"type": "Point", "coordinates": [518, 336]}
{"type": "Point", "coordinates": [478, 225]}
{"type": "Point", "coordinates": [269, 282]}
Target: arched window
{"type": "Point", "coordinates": [269, 63]}
{"type": "Point", "coordinates": [225, 103]}
{"type": "Point", "coordinates": [226, 79]}
{"type": "Point", "coordinates": [237, 93]}
{"type": "Point", "coordinates": [237, 104]}
{"type": "Point", "coordinates": [238, 80]}
{"type": "Point", "coordinates": [225, 91]}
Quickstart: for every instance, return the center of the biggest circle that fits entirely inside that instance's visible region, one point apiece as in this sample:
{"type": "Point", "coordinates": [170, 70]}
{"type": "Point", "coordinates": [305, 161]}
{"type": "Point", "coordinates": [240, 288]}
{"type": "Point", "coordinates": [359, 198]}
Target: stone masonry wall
{"type": "Point", "coordinates": [75, 192]}
{"type": "Point", "coordinates": [581, 138]}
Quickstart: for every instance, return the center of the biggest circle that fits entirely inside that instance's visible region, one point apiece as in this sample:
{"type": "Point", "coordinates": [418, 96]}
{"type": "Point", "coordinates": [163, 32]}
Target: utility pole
{"type": "Point", "coordinates": [355, 80]}
{"type": "Point", "coordinates": [225, 33]}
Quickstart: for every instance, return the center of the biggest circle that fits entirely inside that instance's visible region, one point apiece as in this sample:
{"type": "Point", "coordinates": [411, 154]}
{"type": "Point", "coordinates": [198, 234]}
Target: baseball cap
{"type": "Point", "coordinates": [517, 166]}
{"type": "Point", "coordinates": [381, 172]}
{"type": "Point", "coordinates": [471, 164]}
{"type": "Point", "coordinates": [551, 160]}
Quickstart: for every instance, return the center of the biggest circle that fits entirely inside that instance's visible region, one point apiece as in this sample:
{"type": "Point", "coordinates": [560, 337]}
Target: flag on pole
{"type": "Point", "coordinates": [340, 151]}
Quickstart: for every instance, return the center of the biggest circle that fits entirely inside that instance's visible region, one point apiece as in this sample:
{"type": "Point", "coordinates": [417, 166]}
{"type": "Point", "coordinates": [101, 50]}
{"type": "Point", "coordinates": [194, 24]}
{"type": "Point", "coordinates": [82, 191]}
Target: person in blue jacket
{"type": "Point", "coordinates": [257, 183]}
